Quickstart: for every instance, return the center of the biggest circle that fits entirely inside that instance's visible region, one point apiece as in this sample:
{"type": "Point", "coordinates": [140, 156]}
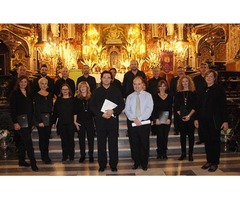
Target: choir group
{"type": "Point", "coordinates": [92, 110]}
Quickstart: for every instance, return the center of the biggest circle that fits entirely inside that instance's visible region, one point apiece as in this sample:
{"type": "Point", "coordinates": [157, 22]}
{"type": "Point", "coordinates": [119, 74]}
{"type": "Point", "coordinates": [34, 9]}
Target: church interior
{"type": "Point", "coordinates": [102, 46]}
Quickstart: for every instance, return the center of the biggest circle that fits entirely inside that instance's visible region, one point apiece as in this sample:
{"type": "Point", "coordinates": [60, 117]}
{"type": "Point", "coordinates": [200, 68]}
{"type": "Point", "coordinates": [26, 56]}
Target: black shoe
{"type": "Point", "coordinates": [190, 158]}
{"type": "Point", "coordinates": [206, 166]}
{"type": "Point", "coordinates": [91, 159]}
{"type": "Point", "coordinates": [81, 160]}
{"type": "Point", "coordinates": [34, 168]}
{"type": "Point", "coordinates": [114, 169]}
{"type": "Point", "coordinates": [144, 168]}
{"type": "Point", "coordinates": [101, 169]}
{"type": "Point", "coordinates": [182, 157]}
{"type": "Point", "coordinates": [176, 133]}
{"type": "Point", "coordinates": [47, 161]}
{"type": "Point", "coordinates": [135, 166]}
{"type": "Point", "coordinates": [213, 168]}
{"type": "Point", "coordinates": [64, 160]}
{"type": "Point", "coordinates": [199, 142]}
{"type": "Point", "coordinates": [164, 157]}
{"type": "Point", "coordinates": [23, 164]}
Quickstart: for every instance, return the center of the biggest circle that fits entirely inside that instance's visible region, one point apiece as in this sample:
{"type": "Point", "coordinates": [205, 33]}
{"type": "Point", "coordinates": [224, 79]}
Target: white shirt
{"type": "Point", "coordinates": [146, 105]}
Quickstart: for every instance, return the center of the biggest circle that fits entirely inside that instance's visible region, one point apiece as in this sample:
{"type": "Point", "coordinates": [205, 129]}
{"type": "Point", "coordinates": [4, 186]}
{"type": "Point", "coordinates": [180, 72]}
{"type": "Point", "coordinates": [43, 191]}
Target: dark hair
{"type": "Point", "coordinates": [19, 80]}
{"type": "Point", "coordinates": [19, 64]}
{"type": "Point", "coordinates": [44, 65]}
{"type": "Point", "coordinates": [162, 82]}
{"type": "Point", "coordinates": [113, 69]}
{"type": "Point", "coordinates": [106, 72]}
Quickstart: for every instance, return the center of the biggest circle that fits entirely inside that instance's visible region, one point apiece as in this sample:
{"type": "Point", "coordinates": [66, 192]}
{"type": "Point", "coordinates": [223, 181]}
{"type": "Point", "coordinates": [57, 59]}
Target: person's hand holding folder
{"type": "Point", "coordinates": [107, 108]}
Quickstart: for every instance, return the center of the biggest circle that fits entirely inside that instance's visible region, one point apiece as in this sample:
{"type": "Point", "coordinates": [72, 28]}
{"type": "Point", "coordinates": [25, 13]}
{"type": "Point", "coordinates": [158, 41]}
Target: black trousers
{"type": "Point", "coordinates": [25, 144]}
{"type": "Point", "coordinates": [44, 136]}
{"type": "Point", "coordinates": [162, 138]}
{"type": "Point", "coordinates": [107, 132]}
{"type": "Point", "coordinates": [139, 143]}
{"type": "Point", "coordinates": [66, 132]}
{"type": "Point", "coordinates": [86, 129]}
{"type": "Point", "coordinates": [186, 129]}
{"type": "Point", "coordinates": [212, 139]}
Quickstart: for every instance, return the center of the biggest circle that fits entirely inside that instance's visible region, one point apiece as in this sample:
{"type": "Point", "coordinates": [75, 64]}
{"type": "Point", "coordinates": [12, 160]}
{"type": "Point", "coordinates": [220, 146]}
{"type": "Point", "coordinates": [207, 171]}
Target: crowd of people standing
{"type": "Point", "coordinates": [90, 110]}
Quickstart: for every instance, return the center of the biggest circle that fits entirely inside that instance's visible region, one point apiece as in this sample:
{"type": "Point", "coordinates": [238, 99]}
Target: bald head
{"type": "Point", "coordinates": [65, 73]}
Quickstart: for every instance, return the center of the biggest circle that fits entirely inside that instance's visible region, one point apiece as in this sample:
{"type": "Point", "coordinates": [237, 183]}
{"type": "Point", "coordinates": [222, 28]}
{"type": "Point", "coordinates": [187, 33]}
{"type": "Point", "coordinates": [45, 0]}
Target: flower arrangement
{"type": "Point", "coordinates": [6, 127]}
{"type": "Point", "coordinates": [4, 134]}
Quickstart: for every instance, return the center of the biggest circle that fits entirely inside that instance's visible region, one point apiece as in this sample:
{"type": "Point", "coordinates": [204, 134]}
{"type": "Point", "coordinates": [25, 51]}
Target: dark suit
{"type": "Point", "coordinates": [127, 86]}
{"type": "Point", "coordinates": [23, 105]}
{"type": "Point", "coordinates": [211, 114]}
{"type": "Point", "coordinates": [107, 129]}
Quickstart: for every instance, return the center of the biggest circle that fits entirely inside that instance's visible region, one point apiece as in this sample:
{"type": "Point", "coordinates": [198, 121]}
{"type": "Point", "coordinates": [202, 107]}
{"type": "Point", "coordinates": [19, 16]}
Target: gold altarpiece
{"type": "Point", "coordinates": [113, 45]}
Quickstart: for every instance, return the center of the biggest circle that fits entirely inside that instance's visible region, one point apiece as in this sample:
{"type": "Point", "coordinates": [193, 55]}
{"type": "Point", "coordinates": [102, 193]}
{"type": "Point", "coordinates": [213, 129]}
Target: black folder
{"type": "Point", "coordinates": [45, 119]}
{"type": "Point", "coordinates": [22, 121]}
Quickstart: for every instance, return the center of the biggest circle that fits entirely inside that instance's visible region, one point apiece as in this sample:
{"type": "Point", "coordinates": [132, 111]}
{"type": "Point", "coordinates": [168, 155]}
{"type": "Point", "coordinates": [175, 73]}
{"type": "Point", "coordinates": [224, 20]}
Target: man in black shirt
{"type": "Point", "coordinates": [65, 79]}
{"type": "Point", "coordinates": [86, 77]}
{"type": "Point", "coordinates": [43, 73]}
{"type": "Point", "coordinates": [107, 120]}
{"type": "Point", "coordinates": [127, 87]}
{"type": "Point", "coordinates": [200, 85]}
{"type": "Point", "coordinates": [115, 82]}
{"type": "Point", "coordinates": [153, 82]}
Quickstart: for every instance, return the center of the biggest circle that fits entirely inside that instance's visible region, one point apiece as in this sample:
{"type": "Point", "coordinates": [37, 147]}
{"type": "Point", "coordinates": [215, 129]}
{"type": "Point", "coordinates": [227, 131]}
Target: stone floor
{"type": "Point", "coordinates": [58, 177]}
{"type": "Point", "coordinates": [230, 165]}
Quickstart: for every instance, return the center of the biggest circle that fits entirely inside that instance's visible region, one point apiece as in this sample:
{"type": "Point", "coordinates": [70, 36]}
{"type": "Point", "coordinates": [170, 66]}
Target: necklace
{"type": "Point", "coordinates": [163, 96]}
{"type": "Point", "coordinates": [85, 105]}
{"type": "Point", "coordinates": [185, 97]}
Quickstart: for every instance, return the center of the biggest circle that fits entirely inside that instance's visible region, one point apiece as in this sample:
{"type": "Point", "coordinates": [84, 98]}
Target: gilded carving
{"type": "Point", "coordinates": [234, 41]}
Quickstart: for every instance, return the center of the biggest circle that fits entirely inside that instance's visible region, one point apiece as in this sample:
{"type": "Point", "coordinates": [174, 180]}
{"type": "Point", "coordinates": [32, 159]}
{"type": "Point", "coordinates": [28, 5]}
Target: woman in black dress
{"type": "Point", "coordinates": [212, 115]}
{"type": "Point", "coordinates": [43, 112]}
{"type": "Point", "coordinates": [63, 113]}
{"type": "Point", "coordinates": [185, 105]}
{"type": "Point", "coordinates": [83, 120]}
{"type": "Point", "coordinates": [162, 115]}
{"type": "Point", "coordinates": [21, 103]}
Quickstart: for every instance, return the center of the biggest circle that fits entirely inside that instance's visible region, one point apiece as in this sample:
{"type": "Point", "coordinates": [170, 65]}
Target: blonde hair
{"type": "Point", "coordinates": [191, 86]}
{"type": "Point", "coordinates": [42, 80]}
{"type": "Point", "coordinates": [79, 94]}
